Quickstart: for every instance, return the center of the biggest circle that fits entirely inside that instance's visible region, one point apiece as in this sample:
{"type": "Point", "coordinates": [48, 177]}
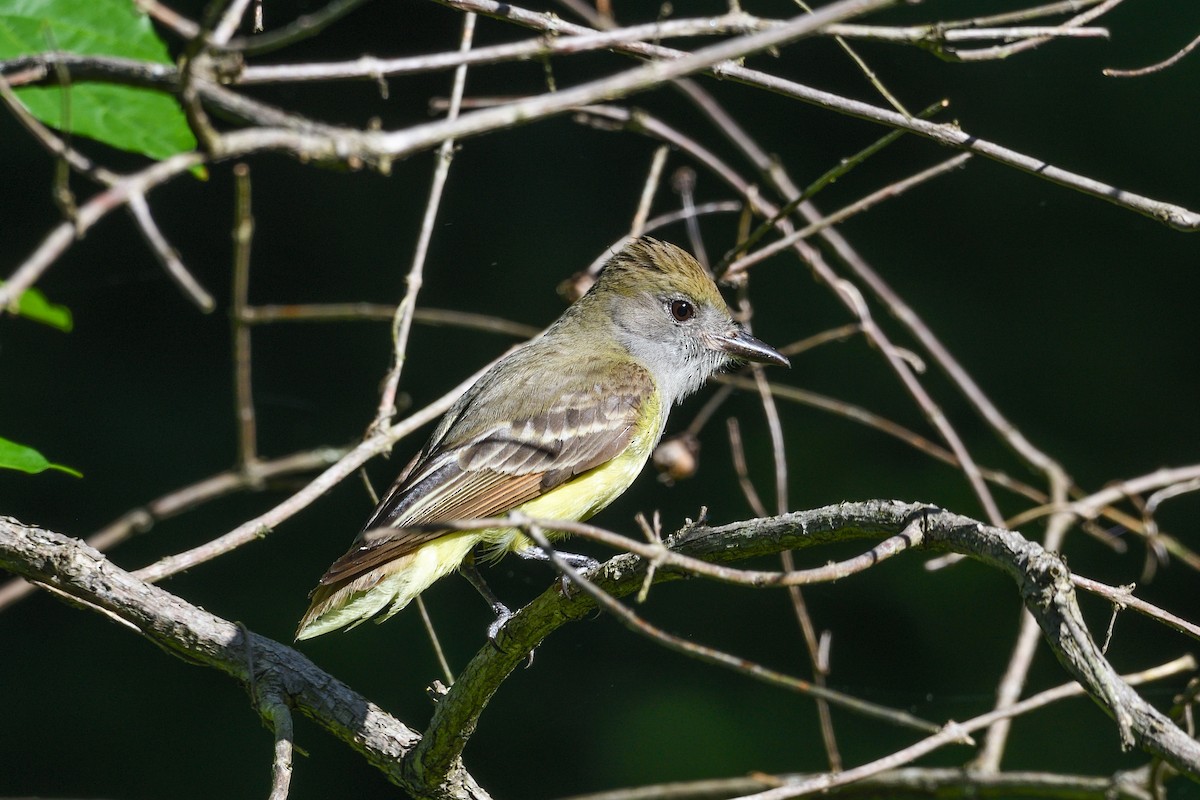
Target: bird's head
{"type": "Point", "coordinates": [669, 314]}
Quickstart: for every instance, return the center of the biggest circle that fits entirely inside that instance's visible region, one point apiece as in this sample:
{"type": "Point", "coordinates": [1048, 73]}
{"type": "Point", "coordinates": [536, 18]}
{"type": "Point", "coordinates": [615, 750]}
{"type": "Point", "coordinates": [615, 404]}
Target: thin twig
{"type": "Point", "coordinates": [771, 167]}
{"type": "Point", "coordinates": [740, 468]}
{"type": "Point", "coordinates": [243, 393]}
{"type": "Point", "coordinates": [938, 34]}
{"type": "Point", "coordinates": [435, 641]}
{"type": "Point", "coordinates": [649, 187]}
{"type": "Point", "coordinates": [280, 715]}
{"type": "Point", "coordinates": [142, 519]}
{"type": "Point", "coordinates": [138, 207]}
{"type": "Point", "coordinates": [1020, 660]}
{"type": "Point", "coordinates": [379, 312]}
{"type": "Point", "coordinates": [661, 221]}
{"type": "Point", "coordinates": [169, 18]}
{"type": "Point", "coordinates": [168, 256]}
{"type": "Point", "coordinates": [303, 27]}
{"type": "Point", "coordinates": [1023, 14]}
{"type": "Point", "coordinates": [861, 63]}
{"type": "Point", "coordinates": [677, 564]}
{"type": "Point", "coordinates": [711, 655]}
{"type": "Point", "coordinates": [1123, 597]}
{"type": "Point", "coordinates": [402, 324]}
{"type": "Point", "coordinates": [953, 733]}
{"type": "Point", "coordinates": [902, 782]}
{"type": "Point", "coordinates": [950, 135]}
{"type": "Point", "coordinates": [229, 22]}
{"type": "Point", "coordinates": [375, 69]}
{"type": "Point", "coordinates": [1159, 67]}
{"type": "Point", "coordinates": [872, 420]}
{"type": "Point", "coordinates": [807, 629]}
{"type": "Point", "coordinates": [66, 233]}
{"type": "Point", "coordinates": [1004, 51]}
{"type": "Point", "coordinates": [1088, 507]}
{"type": "Point", "coordinates": [683, 181]}
{"type": "Point", "coordinates": [888, 192]}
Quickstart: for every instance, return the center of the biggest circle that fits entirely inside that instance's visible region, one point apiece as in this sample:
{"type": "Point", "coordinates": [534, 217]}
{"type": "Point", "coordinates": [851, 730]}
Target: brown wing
{"type": "Point", "coordinates": [469, 470]}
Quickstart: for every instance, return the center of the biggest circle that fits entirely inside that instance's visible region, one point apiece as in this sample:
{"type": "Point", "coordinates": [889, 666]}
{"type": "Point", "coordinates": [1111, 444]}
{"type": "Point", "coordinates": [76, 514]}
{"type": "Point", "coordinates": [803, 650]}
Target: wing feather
{"type": "Point", "coordinates": [472, 470]}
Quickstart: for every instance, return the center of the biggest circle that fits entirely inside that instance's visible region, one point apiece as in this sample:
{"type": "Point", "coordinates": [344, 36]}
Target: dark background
{"type": "Point", "coordinates": [1077, 317]}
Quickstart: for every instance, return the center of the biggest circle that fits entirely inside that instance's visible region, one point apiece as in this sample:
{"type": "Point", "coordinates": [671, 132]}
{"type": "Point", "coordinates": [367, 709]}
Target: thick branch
{"type": "Point", "coordinates": [1042, 577]}
{"type": "Point", "coordinates": [185, 630]}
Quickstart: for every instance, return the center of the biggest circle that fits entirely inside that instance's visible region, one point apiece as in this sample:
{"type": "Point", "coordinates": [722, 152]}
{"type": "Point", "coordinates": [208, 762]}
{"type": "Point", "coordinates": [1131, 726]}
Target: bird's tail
{"type": "Point", "coordinates": [391, 586]}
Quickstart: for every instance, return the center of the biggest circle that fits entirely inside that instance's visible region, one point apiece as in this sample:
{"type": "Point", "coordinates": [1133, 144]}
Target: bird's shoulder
{"type": "Point", "coordinates": [545, 390]}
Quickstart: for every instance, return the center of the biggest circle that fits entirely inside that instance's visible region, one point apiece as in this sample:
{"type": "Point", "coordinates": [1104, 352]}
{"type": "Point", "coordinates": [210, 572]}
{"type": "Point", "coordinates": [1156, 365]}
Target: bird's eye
{"type": "Point", "coordinates": [682, 310]}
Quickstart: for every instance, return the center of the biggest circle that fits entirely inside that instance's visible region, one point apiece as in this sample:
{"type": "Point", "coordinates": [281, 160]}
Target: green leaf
{"type": "Point", "coordinates": [26, 459]}
{"type": "Point", "coordinates": [139, 120]}
{"type": "Point", "coordinates": [34, 305]}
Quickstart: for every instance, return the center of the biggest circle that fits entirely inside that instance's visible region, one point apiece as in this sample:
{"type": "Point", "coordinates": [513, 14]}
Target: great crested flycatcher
{"type": "Point", "coordinates": [557, 429]}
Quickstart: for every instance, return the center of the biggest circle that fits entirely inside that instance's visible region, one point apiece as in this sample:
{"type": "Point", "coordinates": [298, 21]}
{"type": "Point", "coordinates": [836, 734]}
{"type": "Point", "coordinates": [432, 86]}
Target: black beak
{"type": "Point", "coordinates": [740, 344]}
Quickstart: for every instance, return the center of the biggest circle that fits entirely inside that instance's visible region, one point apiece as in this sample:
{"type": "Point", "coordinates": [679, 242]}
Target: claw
{"type": "Point", "coordinates": [503, 615]}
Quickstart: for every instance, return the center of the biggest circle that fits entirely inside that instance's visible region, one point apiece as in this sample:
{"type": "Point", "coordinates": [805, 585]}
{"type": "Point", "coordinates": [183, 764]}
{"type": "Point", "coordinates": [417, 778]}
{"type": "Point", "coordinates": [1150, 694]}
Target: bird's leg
{"type": "Point", "coordinates": [503, 614]}
{"type": "Point", "coordinates": [577, 561]}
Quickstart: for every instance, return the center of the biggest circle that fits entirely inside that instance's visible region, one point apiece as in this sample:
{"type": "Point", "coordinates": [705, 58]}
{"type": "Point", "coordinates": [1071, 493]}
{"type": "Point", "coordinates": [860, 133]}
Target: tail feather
{"type": "Point", "coordinates": [345, 604]}
{"type": "Point", "coordinates": [391, 586]}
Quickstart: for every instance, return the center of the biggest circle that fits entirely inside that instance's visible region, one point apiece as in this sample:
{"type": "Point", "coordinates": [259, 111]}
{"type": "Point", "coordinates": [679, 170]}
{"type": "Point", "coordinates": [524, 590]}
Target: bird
{"type": "Point", "coordinates": [557, 430]}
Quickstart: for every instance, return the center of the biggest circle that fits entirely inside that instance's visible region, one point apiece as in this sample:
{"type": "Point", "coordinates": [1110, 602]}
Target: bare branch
{"type": "Point", "coordinates": [243, 391]}
{"type": "Point", "coordinates": [903, 782]}
{"type": "Point", "coordinates": [402, 322]}
{"type": "Point", "coordinates": [940, 33]}
{"type": "Point", "coordinates": [168, 256]}
{"type": "Point", "coordinates": [1044, 583]}
{"type": "Point", "coordinates": [183, 27]}
{"type": "Point", "coordinates": [1123, 597]}
{"type": "Point", "coordinates": [138, 207]}
{"type": "Point", "coordinates": [229, 22]}
{"type": "Point", "coordinates": [1043, 580]}
{"type": "Point", "coordinates": [1159, 67]}
{"type": "Point", "coordinates": [280, 717]}
{"type": "Point", "coordinates": [649, 187]}
{"type": "Point", "coordinates": [864, 204]}
{"type": "Point", "coordinates": [91, 212]}
{"type": "Point", "coordinates": [1004, 51]}
{"type": "Point", "coordinates": [374, 69]}
{"type": "Point", "coordinates": [271, 670]}
{"type": "Point", "coordinates": [950, 135]}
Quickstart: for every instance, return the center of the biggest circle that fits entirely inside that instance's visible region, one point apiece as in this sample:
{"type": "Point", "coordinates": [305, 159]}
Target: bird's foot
{"type": "Point", "coordinates": [502, 612]}
{"type": "Point", "coordinates": [503, 615]}
{"type": "Point", "coordinates": [577, 561]}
